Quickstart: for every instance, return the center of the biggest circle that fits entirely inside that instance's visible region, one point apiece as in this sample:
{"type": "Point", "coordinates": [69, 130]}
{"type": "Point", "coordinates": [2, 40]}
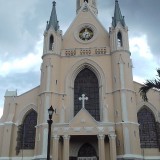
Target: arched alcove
{"type": "Point", "coordinates": [86, 83]}
{"type": "Point", "coordinates": [29, 130]}
{"type": "Point", "coordinates": [26, 131]}
{"type": "Point", "coordinates": [70, 79]}
{"type": "Point", "coordinates": [24, 112]}
{"type": "Point", "coordinates": [119, 39]}
{"type": "Point", "coordinates": [87, 150]}
{"type": "Point", "coordinates": [51, 42]}
{"type": "Point", "coordinates": [147, 128]}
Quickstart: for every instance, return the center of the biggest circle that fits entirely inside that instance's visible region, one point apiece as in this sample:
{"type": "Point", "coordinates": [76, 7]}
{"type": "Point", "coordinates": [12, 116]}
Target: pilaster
{"type": "Point", "coordinates": [55, 147]}
{"type": "Point", "coordinates": [112, 143]}
{"type": "Point", "coordinates": [101, 147]}
{"type": "Point", "coordinates": [66, 139]}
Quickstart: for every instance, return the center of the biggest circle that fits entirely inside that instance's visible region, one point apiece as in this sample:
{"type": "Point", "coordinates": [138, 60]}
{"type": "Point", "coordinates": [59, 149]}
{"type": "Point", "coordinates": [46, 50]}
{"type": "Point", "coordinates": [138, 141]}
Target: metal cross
{"type": "Point", "coordinates": [83, 98]}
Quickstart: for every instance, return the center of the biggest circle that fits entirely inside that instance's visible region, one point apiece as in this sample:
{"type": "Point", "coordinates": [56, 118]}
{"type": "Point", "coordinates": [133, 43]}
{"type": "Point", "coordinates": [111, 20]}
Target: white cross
{"type": "Point", "coordinates": [83, 98]}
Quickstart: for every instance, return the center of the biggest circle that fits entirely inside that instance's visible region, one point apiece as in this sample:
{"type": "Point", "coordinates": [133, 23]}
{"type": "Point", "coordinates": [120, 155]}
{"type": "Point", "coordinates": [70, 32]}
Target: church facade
{"type": "Point", "coordinates": [86, 75]}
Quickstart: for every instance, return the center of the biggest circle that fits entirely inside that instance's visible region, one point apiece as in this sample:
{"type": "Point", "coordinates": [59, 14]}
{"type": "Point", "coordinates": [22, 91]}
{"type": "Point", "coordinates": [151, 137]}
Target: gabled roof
{"type": "Point", "coordinates": [84, 119]}
{"type": "Point", "coordinates": [85, 6]}
{"type": "Point", "coordinates": [117, 16]}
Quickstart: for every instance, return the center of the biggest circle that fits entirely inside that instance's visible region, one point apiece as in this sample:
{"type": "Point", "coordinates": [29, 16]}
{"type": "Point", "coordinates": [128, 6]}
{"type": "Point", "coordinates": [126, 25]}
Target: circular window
{"type": "Point", "coordinates": [85, 33]}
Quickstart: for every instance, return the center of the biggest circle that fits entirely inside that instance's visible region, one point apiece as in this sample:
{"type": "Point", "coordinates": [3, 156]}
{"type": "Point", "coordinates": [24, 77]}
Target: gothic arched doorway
{"type": "Point", "coordinates": [86, 83]}
{"type": "Point", "coordinates": [87, 152]}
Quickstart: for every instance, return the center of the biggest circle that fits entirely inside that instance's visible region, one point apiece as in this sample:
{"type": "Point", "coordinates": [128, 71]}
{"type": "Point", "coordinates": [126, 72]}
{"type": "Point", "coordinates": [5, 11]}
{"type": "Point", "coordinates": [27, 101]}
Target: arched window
{"type": "Point", "coordinates": [51, 42]}
{"type": "Point", "coordinates": [119, 39]}
{"type": "Point", "coordinates": [26, 132]}
{"type": "Point", "coordinates": [86, 83]}
{"type": "Point", "coordinates": [147, 128]}
{"type": "Point", "coordinates": [87, 150]}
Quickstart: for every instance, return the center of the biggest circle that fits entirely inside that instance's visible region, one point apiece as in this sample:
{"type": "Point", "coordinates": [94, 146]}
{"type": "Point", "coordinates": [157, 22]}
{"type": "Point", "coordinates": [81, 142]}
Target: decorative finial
{"type": "Point", "coordinates": [54, 3]}
{"type": "Point", "coordinates": [57, 25]}
{"type": "Point", "coordinates": [47, 25]}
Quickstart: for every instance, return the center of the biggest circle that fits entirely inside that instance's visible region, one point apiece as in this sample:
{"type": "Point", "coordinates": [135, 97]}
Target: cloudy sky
{"type": "Point", "coordinates": [22, 23]}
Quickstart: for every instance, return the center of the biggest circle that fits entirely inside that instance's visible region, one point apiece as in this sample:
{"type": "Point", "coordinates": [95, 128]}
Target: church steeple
{"type": "Point", "coordinates": [52, 34]}
{"type": "Point", "coordinates": [117, 16]}
{"type": "Point", "coordinates": [53, 22]}
{"type": "Point", "coordinates": [118, 31]}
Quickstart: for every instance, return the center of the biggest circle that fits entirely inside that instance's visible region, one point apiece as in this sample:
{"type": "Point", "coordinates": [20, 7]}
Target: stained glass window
{"type": "Point", "coordinates": [147, 128]}
{"type": "Point", "coordinates": [26, 132]}
{"type": "Point", "coordinates": [86, 83]}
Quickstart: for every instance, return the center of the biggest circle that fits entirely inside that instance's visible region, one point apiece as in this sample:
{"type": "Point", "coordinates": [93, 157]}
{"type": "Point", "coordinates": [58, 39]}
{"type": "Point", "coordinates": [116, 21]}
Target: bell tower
{"type": "Point", "coordinates": [123, 82]}
{"type": "Point", "coordinates": [118, 31]}
{"type": "Point", "coordinates": [91, 3]}
{"type": "Point", "coordinates": [49, 82]}
{"type": "Point", "coordinates": [52, 34]}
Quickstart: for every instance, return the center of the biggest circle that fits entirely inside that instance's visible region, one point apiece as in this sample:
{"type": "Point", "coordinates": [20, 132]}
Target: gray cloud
{"type": "Point", "coordinates": [23, 23]}
{"type": "Point", "coordinates": [19, 81]}
{"type": "Point", "coordinates": [143, 16]}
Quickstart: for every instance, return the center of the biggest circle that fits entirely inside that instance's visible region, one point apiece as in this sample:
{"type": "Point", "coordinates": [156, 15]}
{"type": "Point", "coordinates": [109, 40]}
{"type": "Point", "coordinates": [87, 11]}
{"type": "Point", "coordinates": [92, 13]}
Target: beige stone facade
{"type": "Point", "coordinates": [106, 127]}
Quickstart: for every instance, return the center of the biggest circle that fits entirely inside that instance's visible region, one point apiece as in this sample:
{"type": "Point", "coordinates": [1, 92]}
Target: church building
{"type": "Point", "coordinates": [86, 75]}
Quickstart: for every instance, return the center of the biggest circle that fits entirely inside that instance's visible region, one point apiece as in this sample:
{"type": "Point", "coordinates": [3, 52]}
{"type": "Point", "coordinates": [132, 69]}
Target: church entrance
{"type": "Point", "coordinates": [87, 152]}
{"type": "Point", "coordinates": [84, 147]}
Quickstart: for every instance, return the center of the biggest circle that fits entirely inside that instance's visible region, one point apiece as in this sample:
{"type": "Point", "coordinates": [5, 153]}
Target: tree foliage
{"type": "Point", "coordinates": [149, 84]}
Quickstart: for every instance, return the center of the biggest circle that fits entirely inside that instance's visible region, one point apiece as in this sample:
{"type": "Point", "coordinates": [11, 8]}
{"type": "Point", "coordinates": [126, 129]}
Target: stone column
{"type": "Point", "coordinates": [66, 139]}
{"type": "Point", "coordinates": [55, 147]}
{"type": "Point", "coordinates": [112, 142]}
{"type": "Point", "coordinates": [101, 147]}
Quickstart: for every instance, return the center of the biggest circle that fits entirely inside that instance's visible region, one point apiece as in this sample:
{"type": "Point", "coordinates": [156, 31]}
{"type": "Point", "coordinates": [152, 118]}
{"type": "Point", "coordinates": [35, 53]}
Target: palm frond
{"type": "Point", "coordinates": [158, 71]}
{"type": "Point", "coordinates": [149, 85]}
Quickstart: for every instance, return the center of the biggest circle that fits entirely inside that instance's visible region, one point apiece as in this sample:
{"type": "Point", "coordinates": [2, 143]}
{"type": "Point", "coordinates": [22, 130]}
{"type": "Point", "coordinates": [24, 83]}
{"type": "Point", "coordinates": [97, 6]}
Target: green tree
{"type": "Point", "coordinates": [149, 84]}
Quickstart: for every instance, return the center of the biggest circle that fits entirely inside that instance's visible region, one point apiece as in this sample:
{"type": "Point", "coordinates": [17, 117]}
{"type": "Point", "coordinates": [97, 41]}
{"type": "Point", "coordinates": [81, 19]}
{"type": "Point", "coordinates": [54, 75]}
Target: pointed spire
{"type": "Point", "coordinates": [53, 22]}
{"type": "Point", "coordinates": [117, 16]}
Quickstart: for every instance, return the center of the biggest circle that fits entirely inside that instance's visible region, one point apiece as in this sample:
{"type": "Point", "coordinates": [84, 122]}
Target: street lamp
{"type": "Point", "coordinates": [50, 113]}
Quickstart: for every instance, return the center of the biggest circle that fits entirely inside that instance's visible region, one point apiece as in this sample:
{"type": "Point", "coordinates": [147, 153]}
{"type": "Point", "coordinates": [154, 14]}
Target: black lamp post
{"type": "Point", "coordinates": [50, 112]}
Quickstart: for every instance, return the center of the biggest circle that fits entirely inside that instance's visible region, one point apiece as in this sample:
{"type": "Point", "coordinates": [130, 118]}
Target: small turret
{"type": "Point", "coordinates": [52, 34]}
{"type": "Point", "coordinates": [53, 22]}
{"type": "Point", "coordinates": [117, 16]}
{"type": "Point", "coordinates": [118, 31]}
